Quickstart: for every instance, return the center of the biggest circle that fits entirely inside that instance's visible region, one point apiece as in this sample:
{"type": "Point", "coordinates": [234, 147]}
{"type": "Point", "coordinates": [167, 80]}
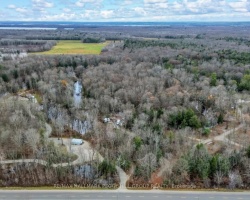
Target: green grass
{"type": "Point", "coordinates": [38, 98]}
{"type": "Point", "coordinates": [75, 47]}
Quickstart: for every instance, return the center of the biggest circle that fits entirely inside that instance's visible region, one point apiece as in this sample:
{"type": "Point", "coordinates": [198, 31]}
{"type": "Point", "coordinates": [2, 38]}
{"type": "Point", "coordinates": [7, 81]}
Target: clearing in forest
{"type": "Point", "coordinates": [75, 47]}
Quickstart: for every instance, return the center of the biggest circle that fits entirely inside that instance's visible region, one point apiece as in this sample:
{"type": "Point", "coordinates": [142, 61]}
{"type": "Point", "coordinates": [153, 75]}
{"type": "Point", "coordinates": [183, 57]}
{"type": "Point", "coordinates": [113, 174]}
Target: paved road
{"type": "Point", "coordinates": [109, 195]}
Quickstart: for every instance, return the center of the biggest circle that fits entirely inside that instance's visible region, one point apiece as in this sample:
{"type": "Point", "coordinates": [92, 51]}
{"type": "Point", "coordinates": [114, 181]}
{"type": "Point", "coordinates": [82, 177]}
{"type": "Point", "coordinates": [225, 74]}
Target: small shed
{"type": "Point", "coordinates": [75, 141]}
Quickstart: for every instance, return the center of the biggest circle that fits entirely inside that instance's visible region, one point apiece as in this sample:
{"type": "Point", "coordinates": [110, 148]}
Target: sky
{"type": "Point", "coordinates": [125, 10]}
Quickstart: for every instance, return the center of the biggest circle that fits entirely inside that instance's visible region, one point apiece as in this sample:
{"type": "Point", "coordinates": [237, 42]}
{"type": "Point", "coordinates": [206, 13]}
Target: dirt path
{"type": "Point", "coordinates": [223, 136]}
{"type": "Point", "coordinates": [123, 178]}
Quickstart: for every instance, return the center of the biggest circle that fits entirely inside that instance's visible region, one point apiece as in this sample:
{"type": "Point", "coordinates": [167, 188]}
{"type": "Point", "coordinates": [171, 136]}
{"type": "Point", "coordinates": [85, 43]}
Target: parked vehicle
{"type": "Point", "coordinates": [75, 141]}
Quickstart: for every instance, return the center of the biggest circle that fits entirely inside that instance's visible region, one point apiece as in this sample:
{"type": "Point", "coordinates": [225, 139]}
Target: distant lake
{"type": "Point", "coordinates": [71, 25]}
{"type": "Point", "coordinates": [27, 28]}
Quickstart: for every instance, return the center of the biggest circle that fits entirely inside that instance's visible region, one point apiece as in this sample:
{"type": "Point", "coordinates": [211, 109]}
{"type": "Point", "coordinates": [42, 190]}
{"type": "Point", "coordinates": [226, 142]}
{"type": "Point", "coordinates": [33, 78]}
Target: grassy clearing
{"type": "Point", "coordinates": [75, 47]}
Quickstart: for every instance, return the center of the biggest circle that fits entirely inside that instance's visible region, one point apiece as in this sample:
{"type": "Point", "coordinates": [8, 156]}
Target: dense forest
{"type": "Point", "coordinates": [168, 106]}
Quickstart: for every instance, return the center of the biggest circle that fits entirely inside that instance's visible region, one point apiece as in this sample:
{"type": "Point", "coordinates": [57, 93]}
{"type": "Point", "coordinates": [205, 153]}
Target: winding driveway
{"type": "Point", "coordinates": [84, 153]}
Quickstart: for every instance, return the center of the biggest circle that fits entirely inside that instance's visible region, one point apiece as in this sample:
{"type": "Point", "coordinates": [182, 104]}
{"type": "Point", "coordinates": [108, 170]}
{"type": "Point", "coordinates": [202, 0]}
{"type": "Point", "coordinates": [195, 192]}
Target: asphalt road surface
{"type": "Point", "coordinates": [129, 195]}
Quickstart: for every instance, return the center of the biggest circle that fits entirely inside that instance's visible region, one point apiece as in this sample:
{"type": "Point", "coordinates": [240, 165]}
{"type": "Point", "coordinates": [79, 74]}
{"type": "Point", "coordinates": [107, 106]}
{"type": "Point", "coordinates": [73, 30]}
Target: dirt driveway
{"type": "Point", "coordinates": [84, 152]}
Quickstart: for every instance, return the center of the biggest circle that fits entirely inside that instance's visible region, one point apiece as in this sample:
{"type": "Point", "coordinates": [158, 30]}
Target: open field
{"type": "Point", "coordinates": [75, 47]}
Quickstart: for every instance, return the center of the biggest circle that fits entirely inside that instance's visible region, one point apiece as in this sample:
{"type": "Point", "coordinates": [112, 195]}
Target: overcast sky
{"type": "Point", "coordinates": [125, 10]}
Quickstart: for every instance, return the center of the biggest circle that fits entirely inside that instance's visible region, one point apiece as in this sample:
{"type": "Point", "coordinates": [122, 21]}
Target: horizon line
{"type": "Point", "coordinates": [128, 21]}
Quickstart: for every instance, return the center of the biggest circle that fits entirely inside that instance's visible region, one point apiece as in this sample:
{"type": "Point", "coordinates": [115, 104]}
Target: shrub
{"type": "Point", "coordinates": [206, 131]}
{"type": "Point", "coordinates": [137, 142]}
{"type": "Point", "coordinates": [219, 163]}
{"type": "Point", "coordinates": [248, 151]}
{"type": "Point", "coordinates": [106, 168]}
{"type": "Point", "coordinates": [213, 80]}
{"type": "Point", "coordinates": [199, 162]}
{"type": "Point", "coordinates": [123, 162]}
{"type": "Point", "coordinates": [5, 78]}
{"type": "Point", "coordinates": [220, 119]}
{"type": "Point", "coordinates": [245, 83]}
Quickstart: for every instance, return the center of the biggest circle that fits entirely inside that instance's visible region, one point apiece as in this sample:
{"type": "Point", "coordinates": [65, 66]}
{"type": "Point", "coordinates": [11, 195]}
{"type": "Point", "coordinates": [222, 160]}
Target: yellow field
{"type": "Point", "coordinates": [75, 47]}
